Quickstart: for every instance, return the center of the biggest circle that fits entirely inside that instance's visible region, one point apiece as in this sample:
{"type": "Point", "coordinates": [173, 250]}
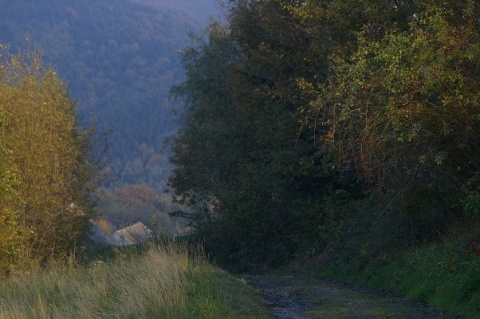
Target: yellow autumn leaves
{"type": "Point", "coordinates": [44, 166]}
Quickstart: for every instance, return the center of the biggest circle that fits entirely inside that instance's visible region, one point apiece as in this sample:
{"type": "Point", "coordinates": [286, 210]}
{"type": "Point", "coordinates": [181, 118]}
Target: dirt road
{"type": "Point", "coordinates": [289, 297]}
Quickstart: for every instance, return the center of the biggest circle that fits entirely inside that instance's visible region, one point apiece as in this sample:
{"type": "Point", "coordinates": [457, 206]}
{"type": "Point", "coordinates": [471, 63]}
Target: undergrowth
{"type": "Point", "coordinates": [445, 274]}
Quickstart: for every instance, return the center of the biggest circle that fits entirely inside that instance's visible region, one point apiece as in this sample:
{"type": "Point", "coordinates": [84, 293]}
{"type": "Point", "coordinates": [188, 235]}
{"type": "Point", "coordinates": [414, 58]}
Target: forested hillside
{"type": "Point", "coordinates": [119, 59]}
{"type": "Point", "coordinates": [343, 128]}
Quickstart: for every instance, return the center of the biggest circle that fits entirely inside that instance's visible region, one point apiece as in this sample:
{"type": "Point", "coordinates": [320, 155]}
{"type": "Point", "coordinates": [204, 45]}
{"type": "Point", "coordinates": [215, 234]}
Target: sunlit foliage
{"type": "Point", "coordinates": [48, 168]}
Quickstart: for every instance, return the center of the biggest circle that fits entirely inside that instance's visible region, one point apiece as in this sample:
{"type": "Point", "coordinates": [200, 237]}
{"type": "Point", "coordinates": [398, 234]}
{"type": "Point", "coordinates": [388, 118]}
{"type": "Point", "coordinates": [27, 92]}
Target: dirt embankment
{"type": "Point", "coordinates": [289, 297]}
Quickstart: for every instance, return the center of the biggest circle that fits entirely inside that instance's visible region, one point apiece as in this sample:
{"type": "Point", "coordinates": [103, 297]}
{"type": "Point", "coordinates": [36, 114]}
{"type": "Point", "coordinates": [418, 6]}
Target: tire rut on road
{"type": "Point", "coordinates": [289, 297]}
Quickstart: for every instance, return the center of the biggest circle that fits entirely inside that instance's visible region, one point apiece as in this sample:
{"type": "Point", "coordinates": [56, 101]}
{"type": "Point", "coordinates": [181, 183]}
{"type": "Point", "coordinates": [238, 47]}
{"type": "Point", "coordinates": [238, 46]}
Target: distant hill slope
{"type": "Point", "coordinates": [119, 58]}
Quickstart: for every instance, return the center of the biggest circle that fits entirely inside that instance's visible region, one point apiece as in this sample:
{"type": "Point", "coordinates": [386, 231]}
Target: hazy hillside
{"type": "Point", "coordinates": [119, 58]}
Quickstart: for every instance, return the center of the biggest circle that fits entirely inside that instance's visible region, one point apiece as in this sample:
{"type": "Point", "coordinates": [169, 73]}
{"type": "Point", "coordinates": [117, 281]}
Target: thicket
{"type": "Point", "coordinates": [49, 165]}
{"type": "Point", "coordinates": [330, 126]}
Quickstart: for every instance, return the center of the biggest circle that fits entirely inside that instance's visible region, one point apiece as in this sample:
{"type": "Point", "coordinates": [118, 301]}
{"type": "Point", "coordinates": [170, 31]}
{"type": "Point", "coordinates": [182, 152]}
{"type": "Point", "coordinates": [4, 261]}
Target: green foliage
{"type": "Point", "coordinates": [244, 156]}
{"type": "Point", "coordinates": [445, 275]}
{"type": "Point", "coordinates": [471, 201]}
{"type": "Point", "coordinates": [412, 94]}
{"type": "Point", "coordinates": [403, 111]}
{"type": "Point", "coordinates": [317, 125]}
{"type": "Point", "coordinates": [216, 293]}
{"type": "Point", "coordinates": [239, 151]}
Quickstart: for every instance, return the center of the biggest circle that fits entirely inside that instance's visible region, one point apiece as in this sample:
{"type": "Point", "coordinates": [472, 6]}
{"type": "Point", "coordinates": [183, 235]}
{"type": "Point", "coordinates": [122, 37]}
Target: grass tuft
{"type": "Point", "coordinates": [163, 282]}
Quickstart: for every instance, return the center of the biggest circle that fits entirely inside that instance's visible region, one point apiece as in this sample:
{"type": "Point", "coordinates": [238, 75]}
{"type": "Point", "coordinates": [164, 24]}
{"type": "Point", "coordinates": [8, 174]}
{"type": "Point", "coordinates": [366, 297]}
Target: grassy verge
{"type": "Point", "coordinates": [445, 275]}
{"type": "Point", "coordinates": [159, 283]}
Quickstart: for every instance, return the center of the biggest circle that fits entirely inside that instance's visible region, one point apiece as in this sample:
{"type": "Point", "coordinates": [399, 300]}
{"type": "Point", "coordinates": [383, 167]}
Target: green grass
{"type": "Point", "coordinates": [159, 283]}
{"type": "Point", "coordinates": [445, 275]}
{"type": "Point", "coordinates": [441, 275]}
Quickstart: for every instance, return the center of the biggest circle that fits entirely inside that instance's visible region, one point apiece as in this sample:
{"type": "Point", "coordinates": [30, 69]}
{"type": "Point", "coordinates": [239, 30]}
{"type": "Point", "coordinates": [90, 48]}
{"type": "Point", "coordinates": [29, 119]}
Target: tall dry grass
{"type": "Point", "coordinates": [151, 285]}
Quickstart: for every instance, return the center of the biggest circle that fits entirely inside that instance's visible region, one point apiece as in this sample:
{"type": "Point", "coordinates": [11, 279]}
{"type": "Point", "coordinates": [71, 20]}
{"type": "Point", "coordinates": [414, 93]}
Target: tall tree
{"type": "Point", "coordinates": [51, 158]}
{"type": "Point", "coordinates": [239, 147]}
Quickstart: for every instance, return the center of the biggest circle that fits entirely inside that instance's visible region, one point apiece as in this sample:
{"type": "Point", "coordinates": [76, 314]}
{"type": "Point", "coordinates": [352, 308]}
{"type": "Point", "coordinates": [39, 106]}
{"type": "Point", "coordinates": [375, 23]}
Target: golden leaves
{"type": "Point", "coordinates": [40, 164]}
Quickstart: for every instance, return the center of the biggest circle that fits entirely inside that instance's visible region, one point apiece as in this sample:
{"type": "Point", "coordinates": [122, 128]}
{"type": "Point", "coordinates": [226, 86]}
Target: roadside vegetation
{"type": "Point", "coordinates": [336, 131]}
{"type": "Point", "coordinates": [340, 130]}
{"type": "Point", "coordinates": [49, 166]}
{"type": "Point", "coordinates": [300, 139]}
{"type": "Point", "coordinates": [151, 282]}
{"type": "Point", "coordinates": [444, 274]}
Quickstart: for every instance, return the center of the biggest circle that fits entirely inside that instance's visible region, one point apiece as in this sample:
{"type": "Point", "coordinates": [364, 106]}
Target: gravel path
{"type": "Point", "coordinates": [289, 297]}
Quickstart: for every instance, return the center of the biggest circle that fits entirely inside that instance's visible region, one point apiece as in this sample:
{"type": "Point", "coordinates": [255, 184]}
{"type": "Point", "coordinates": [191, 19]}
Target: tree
{"type": "Point", "coordinates": [403, 111]}
{"type": "Point", "coordinates": [361, 78]}
{"type": "Point", "coordinates": [239, 151]}
{"type": "Point", "coordinates": [50, 164]}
